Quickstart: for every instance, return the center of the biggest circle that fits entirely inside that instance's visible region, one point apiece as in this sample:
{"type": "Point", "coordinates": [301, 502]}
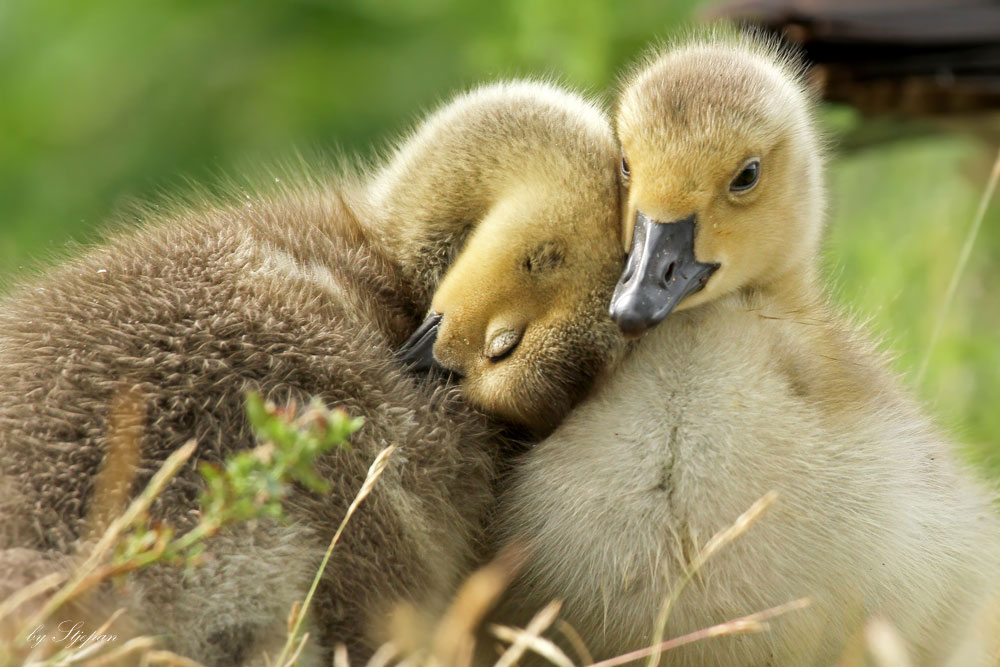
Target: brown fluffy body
{"type": "Point", "coordinates": [307, 292]}
{"type": "Point", "coordinates": [757, 384]}
{"type": "Point", "coordinates": [192, 313]}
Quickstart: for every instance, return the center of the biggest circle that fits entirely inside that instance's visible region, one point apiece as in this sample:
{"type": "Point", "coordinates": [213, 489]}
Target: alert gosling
{"type": "Point", "coordinates": [751, 383]}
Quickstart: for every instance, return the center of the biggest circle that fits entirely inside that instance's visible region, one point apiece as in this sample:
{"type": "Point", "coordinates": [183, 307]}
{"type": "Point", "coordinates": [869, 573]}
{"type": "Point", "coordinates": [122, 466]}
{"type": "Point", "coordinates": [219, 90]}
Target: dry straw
{"type": "Point", "coordinates": [713, 546]}
{"type": "Point", "coordinates": [293, 646]}
{"type": "Point", "coordinates": [963, 260]}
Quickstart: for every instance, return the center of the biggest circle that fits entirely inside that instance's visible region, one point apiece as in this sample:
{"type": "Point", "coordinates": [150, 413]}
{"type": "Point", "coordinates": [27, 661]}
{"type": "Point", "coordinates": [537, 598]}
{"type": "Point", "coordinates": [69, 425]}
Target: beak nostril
{"type": "Point", "coordinates": [669, 275]}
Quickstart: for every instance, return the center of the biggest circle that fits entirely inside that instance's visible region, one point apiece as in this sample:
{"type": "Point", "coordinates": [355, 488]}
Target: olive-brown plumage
{"type": "Point", "coordinates": [304, 292]}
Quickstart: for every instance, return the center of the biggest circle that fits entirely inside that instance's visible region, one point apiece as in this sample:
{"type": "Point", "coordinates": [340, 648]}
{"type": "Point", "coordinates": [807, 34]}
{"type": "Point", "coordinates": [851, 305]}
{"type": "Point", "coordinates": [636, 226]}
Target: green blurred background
{"type": "Point", "coordinates": [106, 101]}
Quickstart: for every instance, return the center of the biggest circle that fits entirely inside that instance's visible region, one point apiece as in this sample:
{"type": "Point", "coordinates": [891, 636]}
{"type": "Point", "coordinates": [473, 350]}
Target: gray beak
{"type": "Point", "coordinates": [418, 351]}
{"type": "Point", "coordinates": [661, 270]}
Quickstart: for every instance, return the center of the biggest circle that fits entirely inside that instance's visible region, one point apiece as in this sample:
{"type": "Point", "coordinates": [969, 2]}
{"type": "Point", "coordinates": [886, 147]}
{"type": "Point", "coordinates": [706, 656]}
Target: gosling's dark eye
{"type": "Point", "coordinates": [747, 178]}
{"type": "Point", "coordinates": [626, 172]}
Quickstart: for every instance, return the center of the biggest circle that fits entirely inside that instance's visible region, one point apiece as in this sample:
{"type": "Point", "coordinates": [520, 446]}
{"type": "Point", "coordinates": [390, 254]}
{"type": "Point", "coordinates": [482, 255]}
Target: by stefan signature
{"type": "Point", "coordinates": [69, 634]}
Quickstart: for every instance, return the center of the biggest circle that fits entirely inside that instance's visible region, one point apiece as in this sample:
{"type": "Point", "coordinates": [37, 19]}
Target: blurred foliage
{"type": "Point", "coordinates": [899, 216]}
{"type": "Point", "coordinates": [108, 100]}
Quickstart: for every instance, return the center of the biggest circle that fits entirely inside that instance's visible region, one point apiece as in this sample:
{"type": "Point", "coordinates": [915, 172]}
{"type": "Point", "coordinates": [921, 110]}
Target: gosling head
{"type": "Point", "coordinates": [723, 170]}
{"type": "Point", "coordinates": [520, 316]}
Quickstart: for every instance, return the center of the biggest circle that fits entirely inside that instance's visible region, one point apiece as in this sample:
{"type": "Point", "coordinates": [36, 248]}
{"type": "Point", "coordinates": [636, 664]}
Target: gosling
{"type": "Point", "coordinates": [307, 291]}
{"type": "Point", "coordinates": [752, 382]}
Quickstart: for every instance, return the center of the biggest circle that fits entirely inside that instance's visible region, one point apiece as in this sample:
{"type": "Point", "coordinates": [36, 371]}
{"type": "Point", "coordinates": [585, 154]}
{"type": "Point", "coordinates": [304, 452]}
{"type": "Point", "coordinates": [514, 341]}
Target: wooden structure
{"type": "Point", "coordinates": [905, 57]}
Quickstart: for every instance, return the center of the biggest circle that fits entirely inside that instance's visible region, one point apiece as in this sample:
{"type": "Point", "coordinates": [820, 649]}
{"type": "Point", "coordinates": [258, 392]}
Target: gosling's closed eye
{"type": "Point", "coordinates": [548, 255]}
{"type": "Point", "coordinates": [747, 177]}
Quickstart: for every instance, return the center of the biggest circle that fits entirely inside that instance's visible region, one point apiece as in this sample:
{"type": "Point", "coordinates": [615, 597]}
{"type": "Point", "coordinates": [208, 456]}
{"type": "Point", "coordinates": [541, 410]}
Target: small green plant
{"type": "Point", "coordinates": [249, 485]}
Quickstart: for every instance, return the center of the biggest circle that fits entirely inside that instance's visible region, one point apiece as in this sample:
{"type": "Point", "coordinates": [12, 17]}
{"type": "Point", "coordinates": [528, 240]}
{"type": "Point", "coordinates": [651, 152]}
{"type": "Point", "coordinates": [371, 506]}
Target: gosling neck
{"type": "Point", "coordinates": [790, 280]}
{"type": "Point", "coordinates": [796, 290]}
